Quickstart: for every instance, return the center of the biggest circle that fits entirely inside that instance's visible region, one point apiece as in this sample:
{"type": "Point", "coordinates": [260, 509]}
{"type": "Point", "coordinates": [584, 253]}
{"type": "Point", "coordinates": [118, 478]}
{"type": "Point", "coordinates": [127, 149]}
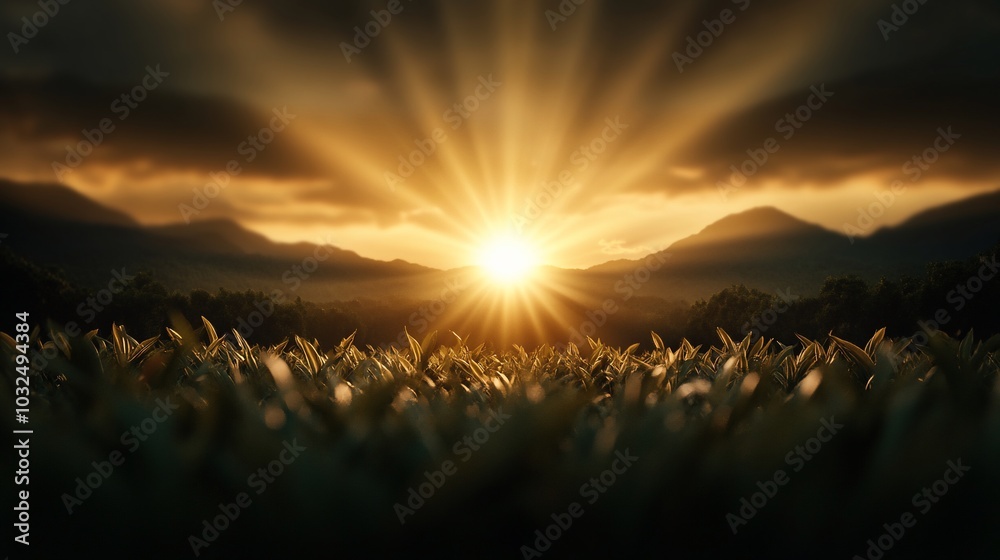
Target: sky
{"type": "Point", "coordinates": [590, 131]}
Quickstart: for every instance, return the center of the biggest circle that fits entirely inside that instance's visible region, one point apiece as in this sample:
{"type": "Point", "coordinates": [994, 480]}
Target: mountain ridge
{"type": "Point", "coordinates": [60, 202]}
{"type": "Point", "coordinates": [226, 235]}
{"type": "Point", "coordinates": [761, 247]}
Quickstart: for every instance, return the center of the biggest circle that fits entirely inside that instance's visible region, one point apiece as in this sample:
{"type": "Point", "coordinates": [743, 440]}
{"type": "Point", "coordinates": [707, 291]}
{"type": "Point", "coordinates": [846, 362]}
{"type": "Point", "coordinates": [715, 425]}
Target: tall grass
{"type": "Point", "coordinates": [707, 423]}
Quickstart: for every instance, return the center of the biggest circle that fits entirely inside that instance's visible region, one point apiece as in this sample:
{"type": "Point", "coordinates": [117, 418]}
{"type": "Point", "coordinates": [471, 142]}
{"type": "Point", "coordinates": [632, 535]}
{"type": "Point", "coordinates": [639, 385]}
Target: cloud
{"type": "Point", "coordinates": [168, 130]}
{"type": "Point", "coordinates": [355, 120]}
{"type": "Point", "coordinates": [871, 124]}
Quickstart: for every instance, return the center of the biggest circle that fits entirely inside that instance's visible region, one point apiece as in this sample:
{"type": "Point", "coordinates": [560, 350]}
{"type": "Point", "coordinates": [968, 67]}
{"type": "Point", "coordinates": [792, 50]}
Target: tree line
{"type": "Point", "coordinates": [954, 296]}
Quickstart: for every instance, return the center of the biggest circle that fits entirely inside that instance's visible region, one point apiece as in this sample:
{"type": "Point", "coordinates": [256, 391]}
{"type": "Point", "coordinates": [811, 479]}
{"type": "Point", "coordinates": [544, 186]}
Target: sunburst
{"type": "Point", "coordinates": [495, 171]}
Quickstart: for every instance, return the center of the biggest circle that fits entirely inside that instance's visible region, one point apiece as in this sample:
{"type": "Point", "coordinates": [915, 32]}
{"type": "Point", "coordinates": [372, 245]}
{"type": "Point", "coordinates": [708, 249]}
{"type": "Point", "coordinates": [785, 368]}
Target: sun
{"type": "Point", "coordinates": [508, 259]}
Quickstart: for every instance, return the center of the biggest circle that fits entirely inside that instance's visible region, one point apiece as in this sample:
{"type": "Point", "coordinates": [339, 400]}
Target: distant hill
{"type": "Point", "coordinates": [768, 249]}
{"type": "Point", "coordinates": [947, 232]}
{"type": "Point", "coordinates": [56, 202]}
{"type": "Point", "coordinates": [55, 226]}
{"type": "Point", "coordinates": [763, 221]}
{"type": "Point", "coordinates": [226, 237]}
{"type": "Point", "coordinates": [763, 248]}
{"type": "Point", "coordinates": [217, 236]}
{"type": "Point", "coordinates": [759, 234]}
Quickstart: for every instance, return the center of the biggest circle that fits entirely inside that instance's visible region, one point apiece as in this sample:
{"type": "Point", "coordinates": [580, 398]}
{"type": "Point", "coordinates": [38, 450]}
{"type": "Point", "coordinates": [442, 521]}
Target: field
{"type": "Point", "coordinates": [538, 279]}
{"type": "Point", "coordinates": [202, 445]}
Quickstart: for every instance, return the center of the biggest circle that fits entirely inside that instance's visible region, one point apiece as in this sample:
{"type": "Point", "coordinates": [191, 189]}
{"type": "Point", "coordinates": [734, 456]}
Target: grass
{"type": "Point", "coordinates": [709, 427]}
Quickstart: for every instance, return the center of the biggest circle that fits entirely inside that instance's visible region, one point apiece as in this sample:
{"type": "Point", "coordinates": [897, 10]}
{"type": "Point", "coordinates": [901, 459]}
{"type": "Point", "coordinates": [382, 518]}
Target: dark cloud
{"type": "Point", "coordinates": [169, 130]}
{"type": "Point", "coordinates": [108, 41]}
{"type": "Point", "coordinates": [890, 98]}
{"type": "Point", "coordinates": [869, 124]}
{"type": "Point", "coordinates": [608, 58]}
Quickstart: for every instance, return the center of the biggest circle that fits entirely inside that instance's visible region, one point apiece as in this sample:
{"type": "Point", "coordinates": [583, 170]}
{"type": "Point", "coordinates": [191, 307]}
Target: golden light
{"type": "Point", "coordinates": [508, 259]}
{"type": "Point", "coordinates": [495, 166]}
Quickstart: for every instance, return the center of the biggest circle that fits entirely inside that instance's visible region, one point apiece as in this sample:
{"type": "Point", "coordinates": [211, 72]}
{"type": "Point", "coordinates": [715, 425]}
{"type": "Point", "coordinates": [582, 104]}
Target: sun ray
{"type": "Point", "coordinates": [553, 99]}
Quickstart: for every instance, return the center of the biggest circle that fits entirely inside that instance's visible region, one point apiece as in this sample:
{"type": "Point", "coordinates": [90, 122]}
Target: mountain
{"type": "Point", "coordinates": [56, 202]}
{"type": "Point", "coordinates": [763, 221]}
{"type": "Point", "coordinates": [218, 236]}
{"type": "Point", "coordinates": [763, 248]}
{"type": "Point", "coordinates": [758, 235]}
{"type": "Point", "coordinates": [950, 231]}
{"type": "Point", "coordinates": [768, 249]}
{"type": "Point", "coordinates": [226, 237]}
{"type": "Point", "coordinates": [55, 226]}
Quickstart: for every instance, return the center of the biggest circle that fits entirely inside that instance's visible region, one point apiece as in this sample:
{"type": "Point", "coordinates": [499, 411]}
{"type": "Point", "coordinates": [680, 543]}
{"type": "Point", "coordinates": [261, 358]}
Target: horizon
{"type": "Point", "coordinates": [883, 225]}
{"type": "Point", "coordinates": [429, 279]}
{"type": "Point", "coordinates": [587, 132]}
